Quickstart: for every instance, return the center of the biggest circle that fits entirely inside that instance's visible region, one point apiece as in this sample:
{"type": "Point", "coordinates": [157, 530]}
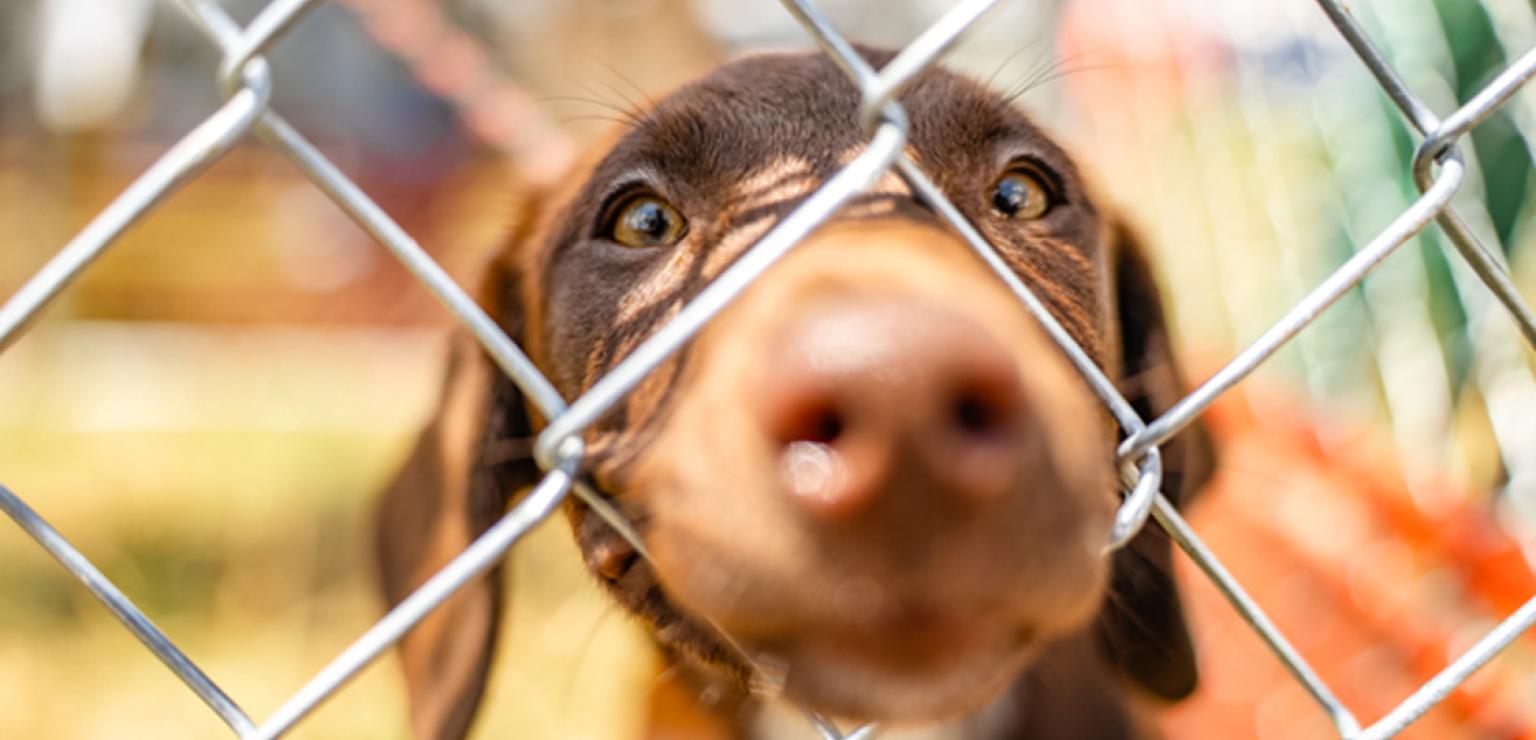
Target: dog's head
{"type": "Point", "coordinates": [874, 470]}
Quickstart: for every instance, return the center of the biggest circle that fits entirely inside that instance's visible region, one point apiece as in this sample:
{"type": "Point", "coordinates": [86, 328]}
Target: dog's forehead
{"type": "Point", "coordinates": [736, 150]}
{"type": "Point", "coordinates": [799, 112]}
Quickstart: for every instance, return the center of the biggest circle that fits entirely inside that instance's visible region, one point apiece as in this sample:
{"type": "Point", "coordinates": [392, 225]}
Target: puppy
{"type": "Point", "coordinates": [873, 474]}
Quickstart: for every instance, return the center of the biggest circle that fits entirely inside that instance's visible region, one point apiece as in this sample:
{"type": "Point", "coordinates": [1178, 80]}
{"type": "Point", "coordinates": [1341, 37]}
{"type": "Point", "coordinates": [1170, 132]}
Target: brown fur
{"type": "Point", "coordinates": [686, 460]}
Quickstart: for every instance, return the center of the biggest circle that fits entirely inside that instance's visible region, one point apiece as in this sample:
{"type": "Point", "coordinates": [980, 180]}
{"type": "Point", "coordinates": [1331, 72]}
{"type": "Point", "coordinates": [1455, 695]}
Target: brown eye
{"type": "Point", "coordinates": [645, 220]}
{"type": "Point", "coordinates": [1021, 193]}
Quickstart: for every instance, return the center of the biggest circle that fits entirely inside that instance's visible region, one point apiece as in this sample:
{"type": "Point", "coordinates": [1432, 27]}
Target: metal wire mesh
{"type": "Point", "coordinates": [1438, 169]}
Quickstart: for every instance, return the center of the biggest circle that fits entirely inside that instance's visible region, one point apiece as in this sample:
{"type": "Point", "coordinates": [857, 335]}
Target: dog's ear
{"type": "Point", "coordinates": [1142, 624]}
{"type": "Point", "coordinates": [470, 459]}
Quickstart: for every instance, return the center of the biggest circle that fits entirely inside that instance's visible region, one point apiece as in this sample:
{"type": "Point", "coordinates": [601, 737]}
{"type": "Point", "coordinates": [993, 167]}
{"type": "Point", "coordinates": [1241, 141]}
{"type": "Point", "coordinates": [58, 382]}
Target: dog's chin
{"type": "Point", "coordinates": [904, 678]}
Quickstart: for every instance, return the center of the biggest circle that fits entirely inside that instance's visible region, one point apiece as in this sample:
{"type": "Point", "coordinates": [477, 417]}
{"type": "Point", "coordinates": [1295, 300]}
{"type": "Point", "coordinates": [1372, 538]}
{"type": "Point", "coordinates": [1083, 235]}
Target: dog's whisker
{"type": "Point", "coordinates": [621, 114]}
{"type": "Point", "coordinates": [1007, 60]}
{"type": "Point", "coordinates": [633, 108]}
{"type": "Point", "coordinates": [1051, 70]}
{"type": "Point", "coordinates": [640, 92]}
{"type": "Point", "coordinates": [583, 651]}
{"type": "Point", "coordinates": [625, 108]}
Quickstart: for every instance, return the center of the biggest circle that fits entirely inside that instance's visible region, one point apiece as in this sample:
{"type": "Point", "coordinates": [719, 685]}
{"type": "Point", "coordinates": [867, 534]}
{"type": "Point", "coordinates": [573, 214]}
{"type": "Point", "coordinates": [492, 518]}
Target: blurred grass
{"type": "Point", "coordinates": [223, 479]}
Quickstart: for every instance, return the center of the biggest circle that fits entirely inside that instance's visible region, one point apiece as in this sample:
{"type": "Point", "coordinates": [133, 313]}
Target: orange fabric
{"type": "Point", "coordinates": [1375, 592]}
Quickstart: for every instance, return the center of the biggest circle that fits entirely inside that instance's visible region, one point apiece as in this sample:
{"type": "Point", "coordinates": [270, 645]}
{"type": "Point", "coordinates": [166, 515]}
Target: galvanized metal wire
{"type": "Point", "coordinates": [244, 77]}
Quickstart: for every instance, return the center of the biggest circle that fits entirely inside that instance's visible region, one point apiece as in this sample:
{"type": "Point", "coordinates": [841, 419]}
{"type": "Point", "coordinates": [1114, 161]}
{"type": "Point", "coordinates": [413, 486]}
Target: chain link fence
{"type": "Point", "coordinates": [1439, 171]}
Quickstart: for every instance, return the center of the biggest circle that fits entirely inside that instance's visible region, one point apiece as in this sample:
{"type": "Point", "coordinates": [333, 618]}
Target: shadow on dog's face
{"type": "Point", "coordinates": [873, 471]}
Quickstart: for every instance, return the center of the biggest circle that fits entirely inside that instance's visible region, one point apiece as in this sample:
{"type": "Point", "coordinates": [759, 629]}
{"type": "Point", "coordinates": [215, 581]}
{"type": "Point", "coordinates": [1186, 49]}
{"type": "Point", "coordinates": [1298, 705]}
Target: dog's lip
{"type": "Point", "coordinates": [911, 633]}
{"type": "Point", "coordinates": [917, 656]}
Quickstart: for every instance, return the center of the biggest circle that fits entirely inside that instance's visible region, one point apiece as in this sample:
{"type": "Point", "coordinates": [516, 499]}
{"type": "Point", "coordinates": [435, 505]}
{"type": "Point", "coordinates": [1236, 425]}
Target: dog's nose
{"type": "Point", "coordinates": [870, 399]}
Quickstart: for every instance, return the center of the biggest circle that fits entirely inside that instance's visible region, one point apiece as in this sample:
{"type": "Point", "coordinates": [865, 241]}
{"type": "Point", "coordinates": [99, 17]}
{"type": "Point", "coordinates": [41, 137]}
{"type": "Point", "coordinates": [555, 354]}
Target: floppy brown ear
{"type": "Point", "coordinates": [1142, 625]}
{"type": "Point", "coordinates": [469, 460]}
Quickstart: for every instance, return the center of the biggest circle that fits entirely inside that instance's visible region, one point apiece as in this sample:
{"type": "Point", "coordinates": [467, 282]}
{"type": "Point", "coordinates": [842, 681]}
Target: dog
{"type": "Point", "coordinates": [873, 471]}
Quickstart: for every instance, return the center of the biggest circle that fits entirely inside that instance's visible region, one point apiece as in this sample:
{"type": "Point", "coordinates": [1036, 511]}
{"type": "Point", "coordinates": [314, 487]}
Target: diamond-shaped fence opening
{"type": "Point", "coordinates": [1439, 167]}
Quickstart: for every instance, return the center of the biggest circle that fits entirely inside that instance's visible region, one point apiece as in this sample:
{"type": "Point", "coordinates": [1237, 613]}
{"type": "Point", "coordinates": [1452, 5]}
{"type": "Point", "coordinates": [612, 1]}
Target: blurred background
{"type": "Point", "coordinates": [208, 412]}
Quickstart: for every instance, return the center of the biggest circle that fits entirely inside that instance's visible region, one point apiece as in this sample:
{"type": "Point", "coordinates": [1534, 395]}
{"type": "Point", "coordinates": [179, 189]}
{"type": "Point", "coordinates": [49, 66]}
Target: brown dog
{"type": "Point", "coordinates": [874, 471]}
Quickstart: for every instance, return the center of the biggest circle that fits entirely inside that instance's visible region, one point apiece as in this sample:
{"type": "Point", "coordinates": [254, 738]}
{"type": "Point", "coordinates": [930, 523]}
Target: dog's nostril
{"type": "Point", "coordinates": [974, 415]}
{"type": "Point", "coordinates": [979, 414]}
{"type": "Point", "coordinates": [820, 424]}
{"type": "Point", "coordinates": [826, 428]}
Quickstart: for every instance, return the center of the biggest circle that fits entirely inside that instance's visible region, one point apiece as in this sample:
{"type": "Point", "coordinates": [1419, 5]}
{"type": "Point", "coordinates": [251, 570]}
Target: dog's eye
{"type": "Point", "coordinates": [1022, 193]}
{"type": "Point", "coordinates": [645, 220]}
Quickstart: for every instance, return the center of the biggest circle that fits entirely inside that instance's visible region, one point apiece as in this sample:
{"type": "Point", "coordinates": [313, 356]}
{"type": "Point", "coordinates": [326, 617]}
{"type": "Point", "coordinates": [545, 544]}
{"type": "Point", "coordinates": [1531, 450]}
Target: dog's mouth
{"type": "Point", "coordinates": [914, 664]}
{"type": "Point", "coordinates": [900, 625]}
{"type": "Point", "coordinates": [855, 647]}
